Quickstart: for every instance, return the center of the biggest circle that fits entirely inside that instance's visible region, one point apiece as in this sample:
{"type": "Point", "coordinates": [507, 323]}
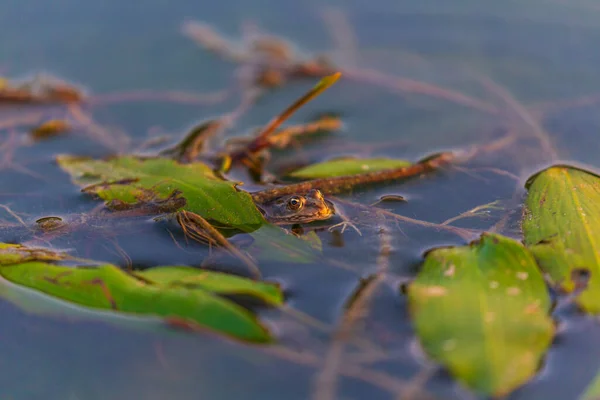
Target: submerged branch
{"type": "Point", "coordinates": [200, 230]}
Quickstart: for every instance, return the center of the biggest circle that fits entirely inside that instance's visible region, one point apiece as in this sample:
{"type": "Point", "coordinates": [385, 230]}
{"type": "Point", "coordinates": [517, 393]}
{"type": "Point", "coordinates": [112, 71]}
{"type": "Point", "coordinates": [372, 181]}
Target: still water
{"type": "Point", "coordinates": [543, 53]}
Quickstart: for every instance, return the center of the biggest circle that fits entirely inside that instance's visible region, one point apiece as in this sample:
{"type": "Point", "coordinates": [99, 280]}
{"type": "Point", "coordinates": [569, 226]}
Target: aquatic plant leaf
{"type": "Point", "coordinates": [271, 245]}
{"type": "Point", "coordinates": [592, 392]}
{"type": "Point", "coordinates": [50, 128]}
{"type": "Point", "coordinates": [215, 282]}
{"type": "Point", "coordinates": [177, 292]}
{"type": "Point", "coordinates": [482, 311]}
{"type": "Point", "coordinates": [131, 180]}
{"type": "Point", "coordinates": [561, 226]}
{"type": "Point", "coordinates": [107, 287]}
{"type": "Point", "coordinates": [16, 253]}
{"type": "Point", "coordinates": [347, 166]}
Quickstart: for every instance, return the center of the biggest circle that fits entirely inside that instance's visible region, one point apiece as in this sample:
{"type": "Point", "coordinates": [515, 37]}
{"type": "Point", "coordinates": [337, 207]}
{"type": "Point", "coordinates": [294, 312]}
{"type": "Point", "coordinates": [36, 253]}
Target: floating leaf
{"type": "Point", "coordinates": [108, 287]}
{"type": "Point", "coordinates": [592, 392]}
{"type": "Point", "coordinates": [50, 128]}
{"type": "Point", "coordinates": [215, 282]}
{"type": "Point", "coordinates": [174, 292]}
{"type": "Point", "coordinates": [271, 245]}
{"type": "Point", "coordinates": [482, 311]}
{"type": "Point", "coordinates": [16, 253]}
{"type": "Point", "coordinates": [131, 180]}
{"type": "Point", "coordinates": [38, 303]}
{"type": "Point", "coordinates": [561, 226]}
{"type": "Point", "coordinates": [347, 166]}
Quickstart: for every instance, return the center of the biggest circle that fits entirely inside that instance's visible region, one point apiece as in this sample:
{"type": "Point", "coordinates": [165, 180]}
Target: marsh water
{"type": "Point", "coordinates": [534, 55]}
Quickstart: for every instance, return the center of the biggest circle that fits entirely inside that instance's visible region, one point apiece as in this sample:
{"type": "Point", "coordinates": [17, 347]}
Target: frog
{"type": "Point", "coordinates": [296, 208]}
{"type": "Point", "coordinates": [303, 202]}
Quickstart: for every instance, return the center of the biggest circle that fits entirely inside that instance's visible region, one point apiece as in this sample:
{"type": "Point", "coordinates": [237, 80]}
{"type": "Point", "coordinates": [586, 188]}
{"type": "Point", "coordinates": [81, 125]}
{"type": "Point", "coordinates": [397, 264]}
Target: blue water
{"type": "Point", "coordinates": [540, 51]}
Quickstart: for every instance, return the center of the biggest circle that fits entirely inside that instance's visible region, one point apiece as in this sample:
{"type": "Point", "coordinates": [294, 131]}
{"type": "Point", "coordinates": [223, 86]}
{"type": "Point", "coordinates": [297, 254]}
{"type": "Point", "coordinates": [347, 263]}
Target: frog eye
{"type": "Point", "coordinates": [295, 203]}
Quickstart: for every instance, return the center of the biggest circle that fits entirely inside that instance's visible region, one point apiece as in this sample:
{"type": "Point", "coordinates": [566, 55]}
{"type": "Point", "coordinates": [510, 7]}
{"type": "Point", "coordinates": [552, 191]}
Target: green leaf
{"type": "Point", "coordinates": [482, 311]}
{"type": "Point", "coordinates": [130, 179]}
{"type": "Point", "coordinates": [561, 226]}
{"type": "Point", "coordinates": [37, 303]}
{"type": "Point", "coordinates": [170, 291]}
{"type": "Point", "coordinates": [215, 282]}
{"type": "Point", "coordinates": [271, 245]}
{"type": "Point", "coordinates": [347, 166]}
{"type": "Point", "coordinates": [592, 392]}
{"type": "Point", "coordinates": [16, 253]}
{"type": "Point", "coordinates": [109, 288]}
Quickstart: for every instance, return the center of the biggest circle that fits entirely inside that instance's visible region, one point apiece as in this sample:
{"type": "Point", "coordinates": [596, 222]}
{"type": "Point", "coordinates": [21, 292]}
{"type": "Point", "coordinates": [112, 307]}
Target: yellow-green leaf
{"type": "Point", "coordinates": [347, 166]}
{"type": "Point", "coordinates": [271, 244]}
{"type": "Point", "coordinates": [482, 311]}
{"type": "Point", "coordinates": [561, 226]}
{"type": "Point", "coordinates": [131, 180]}
{"type": "Point", "coordinates": [179, 292]}
{"type": "Point", "coordinates": [592, 392]}
{"type": "Point", "coordinates": [16, 253]}
{"type": "Point", "coordinates": [109, 288]}
{"type": "Point", "coordinates": [216, 282]}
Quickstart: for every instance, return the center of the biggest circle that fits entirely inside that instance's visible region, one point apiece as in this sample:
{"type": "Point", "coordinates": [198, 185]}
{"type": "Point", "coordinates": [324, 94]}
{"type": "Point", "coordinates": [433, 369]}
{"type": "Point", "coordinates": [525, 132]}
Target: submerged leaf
{"type": "Point", "coordinates": [592, 392]}
{"type": "Point", "coordinates": [347, 166]}
{"type": "Point", "coordinates": [215, 282]}
{"type": "Point", "coordinates": [107, 287]}
{"type": "Point", "coordinates": [179, 292]}
{"type": "Point", "coordinates": [131, 180]}
{"type": "Point", "coordinates": [483, 312]}
{"type": "Point", "coordinates": [561, 226]}
{"type": "Point", "coordinates": [50, 128]}
{"type": "Point", "coordinates": [157, 184]}
{"type": "Point", "coordinates": [271, 245]}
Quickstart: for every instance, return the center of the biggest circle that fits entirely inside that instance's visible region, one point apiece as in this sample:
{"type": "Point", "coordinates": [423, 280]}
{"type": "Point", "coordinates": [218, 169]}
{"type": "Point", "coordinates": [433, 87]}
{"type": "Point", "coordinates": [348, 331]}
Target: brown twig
{"type": "Point", "coordinates": [191, 146]}
{"type": "Point", "coordinates": [108, 138]}
{"type": "Point", "coordinates": [48, 94]}
{"type": "Point", "coordinates": [284, 136]}
{"type": "Point", "coordinates": [262, 140]}
{"type": "Point", "coordinates": [272, 70]}
{"type": "Point", "coordinates": [343, 183]}
{"type": "Point", "coordinates": [198, 229]}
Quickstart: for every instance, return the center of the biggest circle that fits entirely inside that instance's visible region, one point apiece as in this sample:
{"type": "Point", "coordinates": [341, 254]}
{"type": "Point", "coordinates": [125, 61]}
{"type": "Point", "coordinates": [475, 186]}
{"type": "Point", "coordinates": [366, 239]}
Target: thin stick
{"type": "Point", "coordinates": [14, 215]}
{"type": "Point", "coordinates": [464, 233]}
{"type": "Point", "coordinates": [378, 379]}
{"type": "Point", "coordinates": [31, 118]}
{"type": "Point", "coordinates": [473, 212]}
{"type": "Point", "coordinates": [262, 138]}
{"type": "Point", "coordinates": [154, 95]}
{"type": "Point", "coordinates": [187, 218]}
{"type": "Point", "coordinates": [540, 134]}
{"type": "Point", "coordinates": [397, 83]}
{"type": "Point", "coordinates": [342, 183]}
{"type": "Point", "coordinates": [342, 34]}
{"type": "Point", "coordinates": [98, 133]}
{"type": "Point", "coordinates": [284, 136]}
